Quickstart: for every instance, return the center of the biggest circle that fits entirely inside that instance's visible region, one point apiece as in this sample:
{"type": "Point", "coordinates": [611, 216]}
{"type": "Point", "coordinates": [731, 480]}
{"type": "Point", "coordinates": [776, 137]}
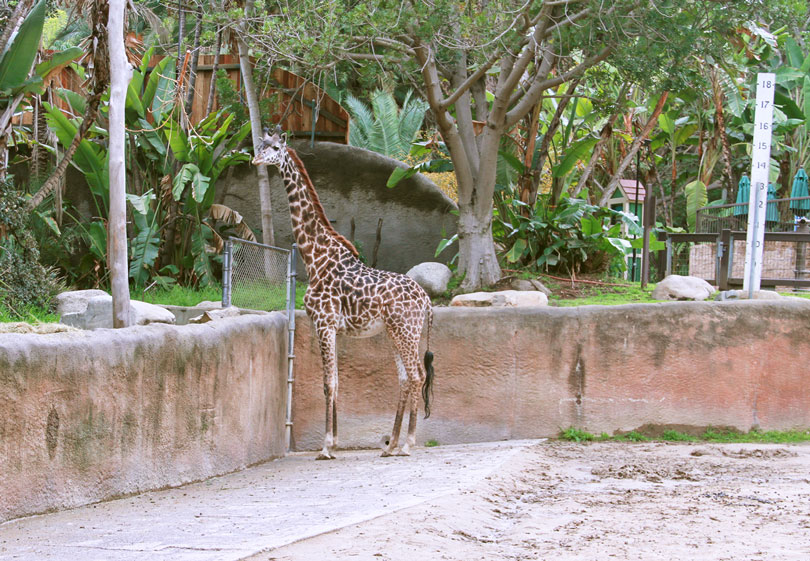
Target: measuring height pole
{"type": "Point", "coordinates": [760, 168]}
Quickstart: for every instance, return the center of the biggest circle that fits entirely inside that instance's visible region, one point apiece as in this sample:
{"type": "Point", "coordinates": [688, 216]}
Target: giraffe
{"type": "Point", "coordinates": [347, 297]}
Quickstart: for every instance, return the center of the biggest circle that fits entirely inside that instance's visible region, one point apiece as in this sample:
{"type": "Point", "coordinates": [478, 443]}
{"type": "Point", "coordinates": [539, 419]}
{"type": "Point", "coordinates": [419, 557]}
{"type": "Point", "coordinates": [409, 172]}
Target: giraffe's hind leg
{"type": "Point", "coordinates": [326, 339]}
{"type": "Point", "coordinates": [403, 398]}
{"type": "Point", "coordinates": [410, 382]}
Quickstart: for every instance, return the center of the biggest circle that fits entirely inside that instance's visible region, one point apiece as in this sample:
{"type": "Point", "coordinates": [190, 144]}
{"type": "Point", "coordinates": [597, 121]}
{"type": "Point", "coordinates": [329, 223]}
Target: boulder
{"type": "Point", "coordinates": [504, 298]}
{"type": "Point", "coordinates": [75, 301]}
{"type": "Point", "coordinates": [743, 295]}
{"type": "Point", "coordinates": [677, 287]}
{"type": "Point", "coordinates": [512, 283]}
{"type": "Point", "coordinates": [215, 314]}
{"type": "Point", "coordinates": [431, 276]}
{"type": "Point", "coordinates": [98, 314]}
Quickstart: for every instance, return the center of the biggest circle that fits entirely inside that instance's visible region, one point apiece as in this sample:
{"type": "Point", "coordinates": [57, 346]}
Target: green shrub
{"type": "Point", "coordinates": [570, 237]}
{"type": "Point", "coordinates": [24, 281]}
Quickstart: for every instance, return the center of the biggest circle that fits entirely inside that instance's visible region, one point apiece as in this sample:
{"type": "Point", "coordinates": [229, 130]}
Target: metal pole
{"type": "Point", "coordinates": [291, 266]}
{"type": "Point", "coordinates": [649, 219]}
{"type": "Point", "coordinates": [669, 257]}
{"type": "Point", "coordinates": [635, 211]}
{"type": "Point", "coordinates": [227, 270]}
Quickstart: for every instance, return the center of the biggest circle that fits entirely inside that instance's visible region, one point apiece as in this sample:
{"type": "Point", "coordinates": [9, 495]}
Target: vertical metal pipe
{"type": "Point", "coordinates": [669, 256]}
{"type": "Point", "coordinates": [638, 215]}
{"type": "Point", "coordinates": [227, 271]}
{"type": "Point", "coordinates": [291, 276]}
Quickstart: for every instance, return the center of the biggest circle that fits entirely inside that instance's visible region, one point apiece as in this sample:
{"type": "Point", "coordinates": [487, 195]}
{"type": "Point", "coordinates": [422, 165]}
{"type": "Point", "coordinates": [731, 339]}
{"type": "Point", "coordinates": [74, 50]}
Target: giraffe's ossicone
{"type": "Point", "coordinates": [345, 296]}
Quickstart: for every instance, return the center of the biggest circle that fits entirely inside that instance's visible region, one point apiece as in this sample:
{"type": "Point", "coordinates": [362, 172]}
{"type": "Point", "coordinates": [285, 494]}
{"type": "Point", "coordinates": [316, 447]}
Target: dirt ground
{"type": "Point", "coordinates": [565, 501]}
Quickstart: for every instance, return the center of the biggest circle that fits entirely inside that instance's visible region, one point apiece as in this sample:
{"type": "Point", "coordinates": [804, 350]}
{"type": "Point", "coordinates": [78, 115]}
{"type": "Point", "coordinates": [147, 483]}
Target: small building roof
{"type": "Point", "coordinates": [628, 187]}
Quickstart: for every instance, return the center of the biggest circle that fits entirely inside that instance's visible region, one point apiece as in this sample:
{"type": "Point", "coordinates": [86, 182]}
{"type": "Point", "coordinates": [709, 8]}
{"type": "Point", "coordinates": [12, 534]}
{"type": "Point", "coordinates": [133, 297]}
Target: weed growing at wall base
{"type": "Point", "coordinates": [573, 434]}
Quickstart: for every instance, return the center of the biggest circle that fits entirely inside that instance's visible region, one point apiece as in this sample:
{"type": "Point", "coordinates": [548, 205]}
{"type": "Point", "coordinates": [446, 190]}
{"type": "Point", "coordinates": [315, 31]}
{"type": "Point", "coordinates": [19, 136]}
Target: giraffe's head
{"type": "Point", "coordinates": [273, 149]}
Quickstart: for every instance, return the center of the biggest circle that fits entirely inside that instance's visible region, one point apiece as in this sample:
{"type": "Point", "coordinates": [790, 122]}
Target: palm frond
{"type": "Point", "coordinates": [384, 127]}
{"type": "Point", "coordinates": [362, 122]}
{"type": "Point", "coordinates": [386, 116]}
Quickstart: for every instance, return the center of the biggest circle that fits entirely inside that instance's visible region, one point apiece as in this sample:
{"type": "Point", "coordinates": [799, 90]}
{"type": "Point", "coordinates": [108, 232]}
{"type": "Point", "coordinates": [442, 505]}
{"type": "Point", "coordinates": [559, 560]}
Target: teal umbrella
{"type": "Point", "coordinates": [772, 214]}
{"type": "Point", "coordinates": [799, 189]}
{"type": "Point", "coordinates": [743, 192]}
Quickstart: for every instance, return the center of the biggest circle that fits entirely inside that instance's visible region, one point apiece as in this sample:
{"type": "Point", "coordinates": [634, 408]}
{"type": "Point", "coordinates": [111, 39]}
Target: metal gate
{"type": "Point", "coordinates": [261, 277]}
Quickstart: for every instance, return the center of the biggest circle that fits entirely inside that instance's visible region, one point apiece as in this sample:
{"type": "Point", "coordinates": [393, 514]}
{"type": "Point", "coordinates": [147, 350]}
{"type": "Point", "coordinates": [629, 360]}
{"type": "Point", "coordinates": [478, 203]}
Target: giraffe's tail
{"type": "Point", "coordinates": [427, 388]}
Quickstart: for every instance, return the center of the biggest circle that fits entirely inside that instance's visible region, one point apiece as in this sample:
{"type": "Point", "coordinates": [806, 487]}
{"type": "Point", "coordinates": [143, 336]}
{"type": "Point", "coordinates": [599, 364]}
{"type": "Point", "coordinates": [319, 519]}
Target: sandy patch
{"type": "Point", "coordinates": [596, 501]}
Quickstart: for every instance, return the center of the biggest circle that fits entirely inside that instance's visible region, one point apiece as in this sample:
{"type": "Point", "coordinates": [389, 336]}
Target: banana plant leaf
{"type": "Point", "coordinates": [16, 62]}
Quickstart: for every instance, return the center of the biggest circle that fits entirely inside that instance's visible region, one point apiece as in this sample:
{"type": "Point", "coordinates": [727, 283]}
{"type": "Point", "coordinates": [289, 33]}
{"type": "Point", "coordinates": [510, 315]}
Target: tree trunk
{"type": "Point", "coordinates": [720, 123]}
{"type": "Point", "coordinates": [212, 88]}
{"type": "Point", "coordinates": [477, 259]}
{"type": "Point", "coordinates": [120, 74]}
{"type": "Point", "coordinates": [256, 132]}
{"type": "Point", "coordinates": [5, 126]}
{"type": "Point", "coordinates": [195, 59]}
{"type": "Point", "coordinates": [181, 33]}
{"type": "Point", "coordinates": [604, 136]}
{"type": "Point", "coordinates": [14, 21]}
{"type": "Point", "coordinates": [651, 122]}
{"type": "Point", "coordinates": [60, 169]}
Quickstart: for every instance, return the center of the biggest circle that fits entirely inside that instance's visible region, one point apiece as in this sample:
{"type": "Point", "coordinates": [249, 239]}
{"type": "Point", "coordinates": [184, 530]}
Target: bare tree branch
{"type": "Point", "coordinates": [651, 122]}
{"type": "Point", "coordinates": [539, 86]}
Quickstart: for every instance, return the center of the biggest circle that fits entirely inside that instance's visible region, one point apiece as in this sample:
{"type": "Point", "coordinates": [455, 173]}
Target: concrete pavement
{"type": "Point", "coordinates": [234, 516]}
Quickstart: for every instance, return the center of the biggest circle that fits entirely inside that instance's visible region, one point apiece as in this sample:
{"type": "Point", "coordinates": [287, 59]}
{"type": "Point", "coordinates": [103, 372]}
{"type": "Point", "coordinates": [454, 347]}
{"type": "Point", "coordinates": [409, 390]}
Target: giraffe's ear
{"type": "Point", "coordinates": [284, 137]}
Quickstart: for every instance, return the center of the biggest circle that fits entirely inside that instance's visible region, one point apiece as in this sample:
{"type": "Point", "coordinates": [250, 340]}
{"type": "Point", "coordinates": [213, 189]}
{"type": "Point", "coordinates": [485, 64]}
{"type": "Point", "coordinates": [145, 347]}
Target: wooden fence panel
{"type": "Point", "coordinates": [299, 102]}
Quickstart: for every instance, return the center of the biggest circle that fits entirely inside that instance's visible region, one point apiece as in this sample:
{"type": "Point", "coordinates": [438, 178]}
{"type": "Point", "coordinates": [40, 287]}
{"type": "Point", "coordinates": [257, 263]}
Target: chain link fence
{"type": "Point", "coordinates": [256, 276]}
{"type": "Point", "coordinates": [262, 277]}
{"type": "Point", "coordinates": [781, 216]}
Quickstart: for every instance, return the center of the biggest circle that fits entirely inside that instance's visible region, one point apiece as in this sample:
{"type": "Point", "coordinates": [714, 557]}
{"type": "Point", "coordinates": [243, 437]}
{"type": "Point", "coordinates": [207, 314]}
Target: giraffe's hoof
{"type": "Point", "coordinates": [325, 456]}
{"type": "Point", "coordinates": [387, 454]}
{"type": "Point", "coordinates": [403, 452]}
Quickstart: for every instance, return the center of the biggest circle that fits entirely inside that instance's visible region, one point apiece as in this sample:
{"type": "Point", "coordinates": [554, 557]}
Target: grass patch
{"type": "Point", "coordinates": [431, 443]}
{"type": "Point", "coordinates": [799, 294]}
{"type": "Point", "coordinates": [573, 434]}
{"type": "Point", "coordinates": [178, 295]}
{"type": "Point", "coordinates": [31, 314]}
{"type": "Point", "coordinates": [252, 296]}
{"type": "Point", "coordinates": [576, 435]}
{"type": "Point", "coordinates": [675, 436]}
{"type": "Point", "coordinates": [615, 294]}
{"type": "Point", "coordinates": [775, 437]}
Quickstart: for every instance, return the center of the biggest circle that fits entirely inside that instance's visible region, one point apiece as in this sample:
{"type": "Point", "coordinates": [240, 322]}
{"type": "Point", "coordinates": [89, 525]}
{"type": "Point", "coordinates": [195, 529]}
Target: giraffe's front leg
{"type": "Point", "coordinates": [326, 338]}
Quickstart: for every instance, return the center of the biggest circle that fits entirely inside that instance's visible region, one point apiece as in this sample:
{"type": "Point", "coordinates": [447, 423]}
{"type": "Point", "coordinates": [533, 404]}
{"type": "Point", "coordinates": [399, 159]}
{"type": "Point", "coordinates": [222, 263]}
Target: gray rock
{"type": "Point", "coordinates": [743, 295]}
{"type": "Point", "coordinates": [504, 298]}
{"type": "Point", "coordinates": [431, 276]}
{"type": "Point", "coordinates": [677, 287]}
{"type": "Point", "coordinates": [98, 314]}
{"type": "Point", "coordinates": [529, 284]}
{"type": "Point", "coordinates": [74, 301]}
{"type": "Point", "coordinates": [215, 314]}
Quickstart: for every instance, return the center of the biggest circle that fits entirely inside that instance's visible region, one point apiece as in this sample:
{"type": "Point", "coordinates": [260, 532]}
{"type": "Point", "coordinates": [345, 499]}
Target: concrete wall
{"type": "Point", "coordinates": [351, 185]}
{"type": "Point", "coordinates": [86, 416]}
{"type": "Point", "coordinates": [527, 373]}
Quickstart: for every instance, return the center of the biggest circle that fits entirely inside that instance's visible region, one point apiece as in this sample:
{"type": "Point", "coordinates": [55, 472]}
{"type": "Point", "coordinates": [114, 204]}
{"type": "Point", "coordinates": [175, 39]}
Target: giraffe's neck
{"type": "Point", "coordinates": [313, 234]}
